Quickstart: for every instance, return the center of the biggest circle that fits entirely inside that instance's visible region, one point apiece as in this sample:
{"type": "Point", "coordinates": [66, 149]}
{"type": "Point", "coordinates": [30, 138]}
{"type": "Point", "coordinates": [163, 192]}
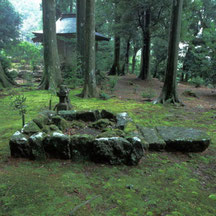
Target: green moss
{"type": "Point", "coordinates": [31, 128]}
{"type": "Point", "coordinates": [61, 123]}
{"type": "Point", "coordinates": [112, 133]}
{"type": "Point", "coordinates": [163, 183]}
{"type": "Point", "coordinates": [130, 127]}
{"type": "Point", "coordinates": [77, 124]}
{"type": "Point", "coordinates": [101, 124]}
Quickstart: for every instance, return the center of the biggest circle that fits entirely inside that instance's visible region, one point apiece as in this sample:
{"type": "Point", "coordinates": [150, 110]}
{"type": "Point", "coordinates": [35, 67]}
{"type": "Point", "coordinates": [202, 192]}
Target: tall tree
{"type": "Point", "coordinates": [81, 18]}
{"type": "Point", "coordinates": [144, 22]}
{"type": "Point", "coordinates": [199, 36]}
{"type": "Point", "coordinates": [90, 88]}
{"type": "Point", "coordinates": [125, 67]}
{"type": "Point", "coordinates": [10, 22]}
{"type": "Point", "coordinates": [5, 82]}
{"type": "Point", "coordinates": [169, 92]}
{"type": "Point", "coordinates": [115, 69]}
{"type": "Point", "coordinates": [52, 74]}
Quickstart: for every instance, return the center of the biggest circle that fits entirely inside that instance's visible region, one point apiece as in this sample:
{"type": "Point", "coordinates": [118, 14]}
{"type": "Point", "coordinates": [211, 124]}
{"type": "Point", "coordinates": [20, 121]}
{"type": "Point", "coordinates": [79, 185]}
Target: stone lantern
{"type": "Point", "coordinates": [64, 101]}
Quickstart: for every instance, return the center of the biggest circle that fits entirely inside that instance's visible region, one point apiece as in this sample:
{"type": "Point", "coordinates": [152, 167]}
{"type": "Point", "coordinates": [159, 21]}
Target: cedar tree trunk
{"type": "Point", "coordinates": [5, 82]}
{"type": "Point", "coordinates": [145, 65]}
{"type": "Point", "coordinates": [115, 69]}
{"type": "Point", "coordinates": [125, 67]}
{"type": "Point", "coordinates": [134, 59]}
{"type": "Point", "coordinates": [169, 92]}
{"type": "Point", "coordinates": [81, 16]}
{"type": "Point", "coordinates": [52, 74]}
{"type": "Point", "coordinates": [90, 88]}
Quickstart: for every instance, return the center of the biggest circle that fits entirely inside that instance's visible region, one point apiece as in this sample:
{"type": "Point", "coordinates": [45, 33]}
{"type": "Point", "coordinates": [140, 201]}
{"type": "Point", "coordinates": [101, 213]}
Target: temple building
{"type": "Point", "coordinates": [66, 30]}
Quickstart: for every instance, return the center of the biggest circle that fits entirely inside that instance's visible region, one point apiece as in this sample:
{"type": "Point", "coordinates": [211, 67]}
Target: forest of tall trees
{"type": "Point", "coordinates": [107, 107]}
{"type": "Point", "coordinates": [140, 41]}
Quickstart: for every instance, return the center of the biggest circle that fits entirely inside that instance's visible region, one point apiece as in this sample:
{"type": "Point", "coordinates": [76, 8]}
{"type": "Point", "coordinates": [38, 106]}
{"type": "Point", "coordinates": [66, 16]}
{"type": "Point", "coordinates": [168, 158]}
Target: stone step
{"type": "Point", "coordinates": [175, 139]}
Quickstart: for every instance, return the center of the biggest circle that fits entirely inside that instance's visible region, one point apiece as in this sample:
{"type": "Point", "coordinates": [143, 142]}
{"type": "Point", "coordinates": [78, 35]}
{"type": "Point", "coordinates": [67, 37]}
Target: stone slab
{"type": "Point", "coordinates": [152, 138]}
{"type": "Point", "coordinates": [184, 139]}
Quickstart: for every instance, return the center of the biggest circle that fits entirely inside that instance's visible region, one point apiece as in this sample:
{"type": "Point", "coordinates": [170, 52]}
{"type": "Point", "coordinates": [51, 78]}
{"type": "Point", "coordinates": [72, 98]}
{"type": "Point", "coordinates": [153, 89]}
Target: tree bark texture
{"type": "Point", "coordinates": [169, 92]}
{"type": "Point", "coordinates": [81, 18]}
{"type": "Point", "coordinates": [115, 69]}
{"type": "Point", "coordinates": [52, 74]}
{"type": "Point", "coordinates": [90, 88]}
{"type": "Point", "coordinates": [125, 67]}
{"type": "Point", "coordinates": [145, 65]}
{"type": "Point", "coordinates": [5, 82]}
{"type": "Point", "coordinates": [134, 59]}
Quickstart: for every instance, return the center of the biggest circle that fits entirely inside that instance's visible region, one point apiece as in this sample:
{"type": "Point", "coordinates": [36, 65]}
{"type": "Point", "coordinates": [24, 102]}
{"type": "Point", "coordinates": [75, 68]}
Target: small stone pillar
{"type": "Point", "coordinates": [64, 101]}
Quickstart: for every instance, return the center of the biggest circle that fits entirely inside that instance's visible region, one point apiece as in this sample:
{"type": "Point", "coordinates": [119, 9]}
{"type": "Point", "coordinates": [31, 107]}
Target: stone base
{"type": "Point", "coordinates": [175, 139]}
{"type": "Point", "coordinates": [99, 136]}
{"type": "Point", "coordinates": [46, 137]}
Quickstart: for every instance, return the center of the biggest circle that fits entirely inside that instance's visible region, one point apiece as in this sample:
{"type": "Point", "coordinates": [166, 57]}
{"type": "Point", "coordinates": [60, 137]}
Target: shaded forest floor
{"type": "Point", "coordinates": [171, 184]}
{"type": "Point", "coordinates": [131, 88]}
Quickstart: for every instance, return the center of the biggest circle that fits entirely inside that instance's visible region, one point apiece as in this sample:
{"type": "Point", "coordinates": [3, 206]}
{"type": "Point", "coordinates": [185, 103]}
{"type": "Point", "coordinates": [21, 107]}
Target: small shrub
{"type": "Point", "coordinates": [18, 103]}
{"type": "Point", "coordinates": [72, 74]}
{"type": "Point", "coordinates": [12, 74]}
{"type": "Point", "coordinates": [23, 62]}
{"type": "Point", "coordinates": [27, 53]}
{"type": "Point", "coordinates": [5, 62]}
{"type": "Point", "coordinates": [148, 93]}
{"type": "Point", "coordinates": [197, 81]}
{"type": "Point", "coordinates": [112, 83]}
{"type": "Point", "coordinates": [104, 96]}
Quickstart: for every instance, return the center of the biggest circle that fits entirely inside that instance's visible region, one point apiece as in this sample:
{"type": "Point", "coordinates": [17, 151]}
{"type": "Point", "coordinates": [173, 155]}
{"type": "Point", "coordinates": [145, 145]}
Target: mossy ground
{"type": "Point", "coordinates": [171, 184]}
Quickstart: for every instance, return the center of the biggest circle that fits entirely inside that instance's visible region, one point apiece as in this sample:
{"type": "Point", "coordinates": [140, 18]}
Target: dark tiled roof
{"type": "Point", "coordinates": [66, 25]}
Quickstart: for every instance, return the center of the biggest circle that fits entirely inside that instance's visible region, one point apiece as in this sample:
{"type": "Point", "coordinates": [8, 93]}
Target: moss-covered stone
{"type": "Point", "coordinates": [137, 151]}
{"type": "Point", "coordinates": [31, 128]}
{"type": "Point", "coordinates": [41, 121]}
{"type": "Point", "coordinates": [19, 146]}
{"type": "Point", "coordinates": [112, 133]}
{"type": "Point", "coordinates": [68, 115]}
{"type": "Point", "coordinates": [137, 135]}
{"type": "Point", "coordinates": [51, 128]}
{"type": "Point", "coordinates": [56, 145]}
{"type": "Point", "coordinates": [130, 127]}
{"type": "Point", "coordinates": [108, 115]}
{"type": "Point", "coordinates": [88, 116]}
{"type": "Point", "coordinates": [184, 139]}
{"type": "Point", "coordinates": [60, 122]}
{"type": "Point", "coordinates": [48, 113]}
{"type": "Point", "coordinates": [36, 144]}
{"type": "Point", "coordinates": [116, 150]}
{"type": "Point", "coordinates": [101, 124]}
{"type": "Point", "coordinates": [77, 124]}
{"type": "Point", "coordinates": [81, 146]}
{"type": "Point", "coordinates": [122, 120]}
{"type": "Point", "coordinates": [154, 141]}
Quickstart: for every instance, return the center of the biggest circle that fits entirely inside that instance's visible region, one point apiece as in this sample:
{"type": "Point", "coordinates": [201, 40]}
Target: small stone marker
{"type": "Point", "coordinates": [64, 101]}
